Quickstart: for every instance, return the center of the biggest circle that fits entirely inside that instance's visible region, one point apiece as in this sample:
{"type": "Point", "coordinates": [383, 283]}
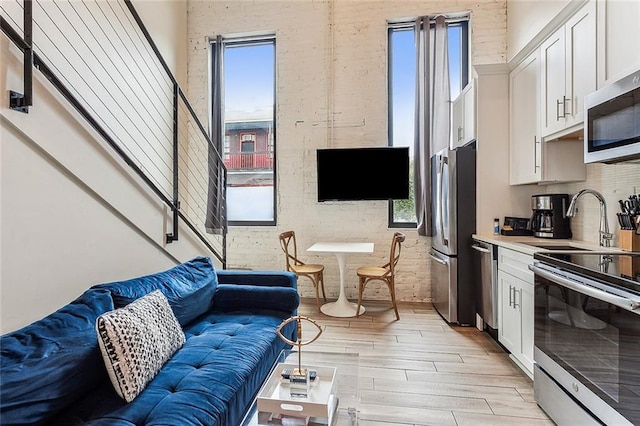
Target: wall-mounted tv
{"type": "Point", "coordinates": [347, 174]}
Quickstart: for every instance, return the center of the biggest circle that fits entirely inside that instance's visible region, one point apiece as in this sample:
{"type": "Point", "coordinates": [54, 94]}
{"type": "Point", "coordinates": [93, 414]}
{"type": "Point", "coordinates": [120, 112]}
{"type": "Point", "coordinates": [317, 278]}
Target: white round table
{"type": "Point", "coordinates": [342, 307]}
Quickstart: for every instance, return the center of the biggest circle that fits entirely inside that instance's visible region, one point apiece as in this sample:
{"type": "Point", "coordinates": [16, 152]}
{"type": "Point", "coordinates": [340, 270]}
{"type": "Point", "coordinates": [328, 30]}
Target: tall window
{"type": "Point", "coordinates": [248, 104]}
{"type": "Point", "coordinates": [402, 87]}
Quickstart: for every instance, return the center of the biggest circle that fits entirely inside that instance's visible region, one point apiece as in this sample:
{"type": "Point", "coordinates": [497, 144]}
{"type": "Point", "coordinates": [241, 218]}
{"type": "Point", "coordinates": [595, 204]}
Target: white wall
{"type": "Point", "coordinates": [331, 64]}
{"type": "Point", "coordinates": [71, 213]}
{"type": "Point", "coordinates": [526, 18]}
{"type": "Point", "coordinates": [166, 20]}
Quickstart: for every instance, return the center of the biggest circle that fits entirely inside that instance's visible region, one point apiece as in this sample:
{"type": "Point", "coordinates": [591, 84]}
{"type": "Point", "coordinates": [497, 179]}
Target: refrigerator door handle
{"type": "Point", "coordinates": [436, 258]}
{"type": "Point", "coordinates": [441, 201]}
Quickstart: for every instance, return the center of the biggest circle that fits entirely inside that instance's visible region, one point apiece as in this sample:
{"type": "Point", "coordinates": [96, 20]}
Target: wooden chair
{"type": "Point", "coordinates": [298, 267]}
{"type": "Point", "coordinates": [385, 273]}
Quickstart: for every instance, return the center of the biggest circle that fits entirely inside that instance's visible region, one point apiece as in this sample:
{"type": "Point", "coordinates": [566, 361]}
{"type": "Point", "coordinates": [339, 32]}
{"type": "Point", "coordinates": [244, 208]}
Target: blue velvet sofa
{"type": "Point", "coordinates": [52, 371]}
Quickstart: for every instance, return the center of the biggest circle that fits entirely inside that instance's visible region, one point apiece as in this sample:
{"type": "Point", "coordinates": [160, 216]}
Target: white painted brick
{"type": "Point", "coordinates": [357, 82]}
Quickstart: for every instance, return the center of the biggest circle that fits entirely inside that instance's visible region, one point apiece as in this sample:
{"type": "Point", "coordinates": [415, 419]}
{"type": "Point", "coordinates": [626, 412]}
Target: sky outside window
{"type": "Point", "coordinates": [454, 34]}
{"type": "Point", "coordinates": [248, 80]}
{"type": "Point", "coordinates": [403, 86]}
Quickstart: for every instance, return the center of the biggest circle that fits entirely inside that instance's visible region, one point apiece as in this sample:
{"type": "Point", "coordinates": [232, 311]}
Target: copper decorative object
{"type": "Point", "coordinates": [299, 379]}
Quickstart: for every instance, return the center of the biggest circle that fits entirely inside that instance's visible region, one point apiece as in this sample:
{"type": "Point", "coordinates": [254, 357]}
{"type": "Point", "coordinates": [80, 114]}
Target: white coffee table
{"type": "Point", "coordinates": [346, 387]}
{"type": "Point", "coordinates": [342, 307]}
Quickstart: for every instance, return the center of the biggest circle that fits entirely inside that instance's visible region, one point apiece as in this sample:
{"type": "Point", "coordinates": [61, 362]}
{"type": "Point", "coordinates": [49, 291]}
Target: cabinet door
{"type": "Point", "coordinates": [618, 39]}
{"type": "Point", "coordinates": [469, 115]}
{"type": "Point", "coordinates": [509, 320]}
{"type": "Point", "coordinates": [553, 62]}
{"type": "Point", "coordinates": [463, 117]}
{"type": "Point", "coordinates": [457, 122]}
{"type": "Point", "coordinates": [524, 152]}
{"type": "Point", "coordinates": [525, 297]}
{"type": "Point", "coordinates": [580, 39]}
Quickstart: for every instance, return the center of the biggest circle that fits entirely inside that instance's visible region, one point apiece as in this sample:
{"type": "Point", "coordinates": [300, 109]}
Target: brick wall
{"type": "Point", "coordinates": [331, 63]}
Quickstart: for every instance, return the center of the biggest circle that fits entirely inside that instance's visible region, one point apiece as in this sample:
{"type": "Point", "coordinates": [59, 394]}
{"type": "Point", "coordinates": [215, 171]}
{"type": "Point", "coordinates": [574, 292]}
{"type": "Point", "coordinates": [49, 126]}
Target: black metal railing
{"type": "Point", "coordinates": [102, 59]}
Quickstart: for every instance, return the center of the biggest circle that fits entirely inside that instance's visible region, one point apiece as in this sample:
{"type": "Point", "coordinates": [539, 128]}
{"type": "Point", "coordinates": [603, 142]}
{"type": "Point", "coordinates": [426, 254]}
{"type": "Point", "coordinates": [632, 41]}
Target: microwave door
{"type": "Point", "coordinates": [612, 122]}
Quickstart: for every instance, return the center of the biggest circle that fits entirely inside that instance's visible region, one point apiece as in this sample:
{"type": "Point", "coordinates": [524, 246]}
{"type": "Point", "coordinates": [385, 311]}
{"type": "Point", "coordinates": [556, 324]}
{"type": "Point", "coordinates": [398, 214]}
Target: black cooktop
{"type": "Point", "coordinates": [621, 269]}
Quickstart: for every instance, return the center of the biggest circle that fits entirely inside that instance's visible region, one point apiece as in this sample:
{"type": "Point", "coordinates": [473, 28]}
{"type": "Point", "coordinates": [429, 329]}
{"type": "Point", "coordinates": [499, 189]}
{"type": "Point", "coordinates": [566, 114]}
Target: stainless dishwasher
{"type": "Point", "coordinates": [487, 296]}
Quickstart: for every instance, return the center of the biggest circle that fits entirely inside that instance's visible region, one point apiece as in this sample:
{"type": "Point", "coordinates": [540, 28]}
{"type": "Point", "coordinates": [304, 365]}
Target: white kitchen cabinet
{"type": "Point", "coordinates": [524, 153]}
{"type": "Point", "coordinates": [531, 160]}
{"type": "Point", "coordinates": [515, 301]}
{"type": "Point", "coordinates": [618, 39]}
{"type": "Point", "coordinates": [457, 121]}
{"type": "Point", "coordinates": [552, 58]}
{"type": "Point", "coordinates": [464, 116]}
{"type": "Point", "coordinates": [568, 73]}
{"type": "Point", "coordinates": [527, 323]}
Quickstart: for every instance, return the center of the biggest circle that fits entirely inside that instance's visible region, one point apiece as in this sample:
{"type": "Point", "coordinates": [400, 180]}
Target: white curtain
{"type": "Point", "coordinates": [432, 121]}
{"type": "Point", "coordinates": [441, 109]}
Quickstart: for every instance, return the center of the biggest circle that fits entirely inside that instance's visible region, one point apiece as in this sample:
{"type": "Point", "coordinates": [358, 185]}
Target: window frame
{"type": "Point", "coordinates": [239, 41]}
{"type": "Point", "coordinates": [465, 75]}
{"type": "Point", "coordinates": [465, 43]}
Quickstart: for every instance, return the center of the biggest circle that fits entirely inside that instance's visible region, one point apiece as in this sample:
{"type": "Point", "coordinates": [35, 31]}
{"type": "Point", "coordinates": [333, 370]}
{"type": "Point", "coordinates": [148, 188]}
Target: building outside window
{"type": "Point", "coordinates": [249, 137]}
{"type": "Point", "coordinates": [402, 83]}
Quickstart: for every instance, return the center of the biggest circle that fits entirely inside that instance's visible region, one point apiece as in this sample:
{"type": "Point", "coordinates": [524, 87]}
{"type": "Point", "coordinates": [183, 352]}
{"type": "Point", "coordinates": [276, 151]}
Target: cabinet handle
{"type": "Point", "coordinates": [558, 103]}
{"type": "Point", "coordinates": [510, 295]}
{"type": "Point", "coordinates": [460, 134]}
{"type": "Point", "coordinates": [564, 105]}
{"type": "Point", "coordinates": [535, 157]}
{"type": "Point", "coordinates": [516, 305]}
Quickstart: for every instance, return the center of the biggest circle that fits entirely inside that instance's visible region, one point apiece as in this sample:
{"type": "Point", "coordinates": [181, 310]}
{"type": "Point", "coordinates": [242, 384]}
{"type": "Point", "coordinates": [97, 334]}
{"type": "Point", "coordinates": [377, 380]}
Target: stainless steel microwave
{"type": "Point", "coordinates": [612, 122]}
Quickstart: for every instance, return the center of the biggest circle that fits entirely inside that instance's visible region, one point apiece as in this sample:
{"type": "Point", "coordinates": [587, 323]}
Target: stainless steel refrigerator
{"type": "Point", "coordinates": [453, 198]}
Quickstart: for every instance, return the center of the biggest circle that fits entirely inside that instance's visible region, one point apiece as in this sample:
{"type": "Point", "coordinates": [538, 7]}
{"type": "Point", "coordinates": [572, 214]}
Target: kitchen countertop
{"type": "Point", "coordinates": [526, 245]}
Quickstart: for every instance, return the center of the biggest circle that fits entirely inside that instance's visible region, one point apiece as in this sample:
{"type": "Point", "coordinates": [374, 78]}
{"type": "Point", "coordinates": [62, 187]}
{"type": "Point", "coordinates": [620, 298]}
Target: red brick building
{"type": "Point", "coordinates": [249, 152]}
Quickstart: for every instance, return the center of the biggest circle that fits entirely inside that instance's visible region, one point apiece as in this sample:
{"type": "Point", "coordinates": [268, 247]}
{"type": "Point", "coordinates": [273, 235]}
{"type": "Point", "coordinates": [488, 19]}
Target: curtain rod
{"type": "Point", "coordinates": [449, 19]}
{"type": "Point", "coordinates": [266, 37]}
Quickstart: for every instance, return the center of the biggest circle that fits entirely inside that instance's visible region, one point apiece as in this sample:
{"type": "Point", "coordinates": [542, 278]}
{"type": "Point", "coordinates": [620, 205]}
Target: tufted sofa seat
{"type": "Point", "coordinates": [52, 371]}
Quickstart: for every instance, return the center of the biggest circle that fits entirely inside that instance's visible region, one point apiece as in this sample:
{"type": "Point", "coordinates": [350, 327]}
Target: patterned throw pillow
{"type": "Point", "coordinates": [136, 341]}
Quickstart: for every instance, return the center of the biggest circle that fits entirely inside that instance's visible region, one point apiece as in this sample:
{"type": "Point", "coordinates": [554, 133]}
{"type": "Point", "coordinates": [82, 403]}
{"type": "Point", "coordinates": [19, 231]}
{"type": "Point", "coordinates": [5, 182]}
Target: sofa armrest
{"type": "Point", "coordinates": [231, 297]}
{"type": "Point", "coordinates": [258, 278]}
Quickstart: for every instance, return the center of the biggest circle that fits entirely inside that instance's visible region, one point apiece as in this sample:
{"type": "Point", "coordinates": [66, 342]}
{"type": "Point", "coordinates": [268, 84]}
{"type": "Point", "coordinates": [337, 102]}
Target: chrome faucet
{"type": "Point", "coordinates": [605, 235]}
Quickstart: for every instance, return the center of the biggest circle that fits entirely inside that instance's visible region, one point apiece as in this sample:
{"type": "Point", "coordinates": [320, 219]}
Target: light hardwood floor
{"type": "Point", "coordinates": [422, 371]}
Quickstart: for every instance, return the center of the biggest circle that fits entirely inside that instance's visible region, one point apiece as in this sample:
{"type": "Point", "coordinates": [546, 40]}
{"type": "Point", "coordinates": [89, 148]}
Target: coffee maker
{"type": "Point", "coordinates": [549, 218]}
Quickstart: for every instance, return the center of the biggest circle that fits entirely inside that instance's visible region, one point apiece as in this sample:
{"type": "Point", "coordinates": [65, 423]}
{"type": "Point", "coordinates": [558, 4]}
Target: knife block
{"type": "Point", "coordinates": [629, 240]}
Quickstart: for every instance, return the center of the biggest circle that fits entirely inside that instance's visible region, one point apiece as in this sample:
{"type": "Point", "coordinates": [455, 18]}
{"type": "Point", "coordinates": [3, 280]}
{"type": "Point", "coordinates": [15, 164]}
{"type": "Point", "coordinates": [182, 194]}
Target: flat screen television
{"type": "Point", "coordinates": [348, 174]}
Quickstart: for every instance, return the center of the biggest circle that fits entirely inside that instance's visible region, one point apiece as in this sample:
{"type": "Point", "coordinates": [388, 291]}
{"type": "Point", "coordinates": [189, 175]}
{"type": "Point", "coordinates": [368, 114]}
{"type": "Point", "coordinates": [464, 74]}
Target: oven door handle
{"type": "Point", "coordinates": [629, 304]}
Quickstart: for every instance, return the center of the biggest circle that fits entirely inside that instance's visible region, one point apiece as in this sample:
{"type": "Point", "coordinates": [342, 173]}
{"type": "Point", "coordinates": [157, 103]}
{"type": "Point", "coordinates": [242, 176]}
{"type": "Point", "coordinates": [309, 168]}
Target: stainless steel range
{"type": "Point", "coordinates": [587, 337]}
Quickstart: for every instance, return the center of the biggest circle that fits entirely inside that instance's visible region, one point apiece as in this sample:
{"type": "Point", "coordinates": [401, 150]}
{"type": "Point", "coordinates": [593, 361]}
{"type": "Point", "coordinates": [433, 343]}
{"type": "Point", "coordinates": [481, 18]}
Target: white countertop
{"type": "Point", "coordinates": [527, 244]}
